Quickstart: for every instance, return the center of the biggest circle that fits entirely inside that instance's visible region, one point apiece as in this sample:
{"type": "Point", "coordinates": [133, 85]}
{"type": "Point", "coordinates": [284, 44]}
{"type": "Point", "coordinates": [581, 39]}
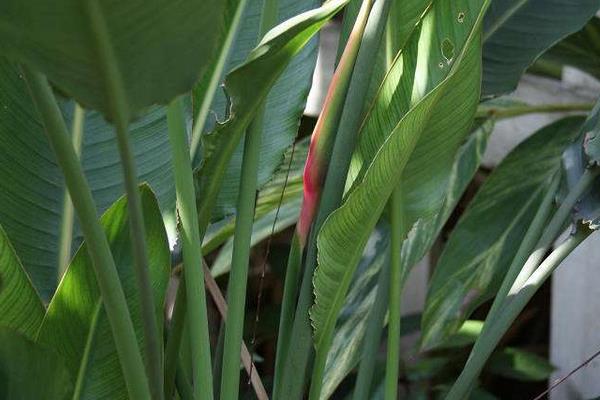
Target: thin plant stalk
{"type": "Point", "coordinates": [192, 255]}
{"type": "Point", "coordinates": [214, 79]}
{"type": "Point", "coordinates": [103, 263]}
{"type": "Point", "coordinates": [119, 110]}
{"type": "Point", "coordinates": [511, 310]}
{"type": "Point", "coordinates": [236, 290]}
{"type": "Point", "coordinates": [238, 277]}
{"type": "Point", "coordinates": [392, 365]}
{"type": "Point", "coordinates": [555, 226]}
{"type": "Point", "coordinates": [372, 338]}
{"type": "Point", "coordinates": [288, 305]}
{"type": "Point", "coordinates": [68, 214]}
{"type": "Point", "coordinates": [396, 281]}
{"type": "Point", "coordinates": [527, 245]}
{"type": "Point", "coordinates": [518, 110]}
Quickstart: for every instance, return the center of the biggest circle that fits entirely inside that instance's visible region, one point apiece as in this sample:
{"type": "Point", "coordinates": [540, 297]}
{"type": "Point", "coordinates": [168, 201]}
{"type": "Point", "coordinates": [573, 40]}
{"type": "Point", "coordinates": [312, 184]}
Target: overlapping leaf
{"type": "Point", "coordinates": [76, 325]}
{"type": "Point", "coordinates": [487, 236]}
{"type": "Point", "coordinates": [160, 48]}
{"type": "Point", "coordinates": [580, 50]}
{"type": "Point", "coordinates": [247, 87]}
{"type": "Point", "coordinates": [31, 183]}
{"type": "Point", "coordinates": [30, 371]}
{"type": "Point", "coordinates": [20, 306]}
{"type": "Point", "coordinates": [284, 104]}
{"type": "Point", "coordinates": [517, 32]}
{"type": "Point", "coordinates": [351, 325]}
{"type": "Point", "coordinates": [419, 118]}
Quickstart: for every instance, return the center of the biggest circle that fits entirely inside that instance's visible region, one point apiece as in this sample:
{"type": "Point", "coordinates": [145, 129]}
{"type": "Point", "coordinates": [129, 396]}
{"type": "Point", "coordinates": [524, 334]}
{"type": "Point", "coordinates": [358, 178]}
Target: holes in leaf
{"type": "Point", "coordinates": [461, 17]}
{"type": "Point", "coordinates": [448, 50]}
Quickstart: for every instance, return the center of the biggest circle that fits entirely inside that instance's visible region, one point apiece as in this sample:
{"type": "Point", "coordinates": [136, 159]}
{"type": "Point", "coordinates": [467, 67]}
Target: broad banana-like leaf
{"type": "Point", "coordinates": [490, 231]}
{"type": "Point", "coordinates": [581, 155]}
{"type": "Point", "coordinates": [351, 325]}
{"type": "Point", "coordinates": [76, 325]}
{"type": "Point", "coordinates": [32, 185]}
{"type": "Point", "coordinates": [580, 50]}
{"type": "Point", "coordinates": [159, 48]}
{"type": "Point", "coordinates": [517, 32]}
{"type": "Point", "coordinates": [21, 308]}
{"type": "Point", "coordinates": [247, 87]}
{"type": "Point", "coordinates": [284, 104]}
{"type": "Point", "coordinates": [31, 371]}
{"type": "Point", "coordinates": [277, 206]}
{"type": "Point", "coordinates": [418, 120]}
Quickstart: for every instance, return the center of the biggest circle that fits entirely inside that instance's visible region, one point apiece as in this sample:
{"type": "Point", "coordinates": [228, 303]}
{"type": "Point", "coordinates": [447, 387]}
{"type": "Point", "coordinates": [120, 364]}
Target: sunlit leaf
{"type": "Point", "coordinates": [76, 325]}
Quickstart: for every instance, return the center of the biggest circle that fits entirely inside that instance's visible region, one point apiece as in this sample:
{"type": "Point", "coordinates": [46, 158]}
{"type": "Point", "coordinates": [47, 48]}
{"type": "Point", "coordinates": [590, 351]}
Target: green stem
{"type": "Point", "coordinates": [119, 110]}
{"type": "Point", "coordinates": [288, 305]}
{"type": "Point", "coordinates": [174, 339]}
{"type": "Point", "coordinates": [511, 310]}
{"type": "Point", "coordinates": [392, 368]}
{"type": "Point", "coordinates": [370, 346]}
{"type": "Point", "coordinates": [238, 277]}
{"type": "Point", "coordinates": [97, 244]}
{"type": "Point", "coordinates": [554, 227]}
{"type": "Point", "coordinates": [527, 245]}
{"type": "Point", "coordinates": [68, 214]}
{"type": "Point", "coordinates": [192, 256]}
{"type": "Point", "coordinates": [515, 111]}
{"type": "Point", "coordinates": [236, 291]}
{"type": "Point", "coordinates": [214, 79]}
{"type": "Point", "coordinates": [184, 388]}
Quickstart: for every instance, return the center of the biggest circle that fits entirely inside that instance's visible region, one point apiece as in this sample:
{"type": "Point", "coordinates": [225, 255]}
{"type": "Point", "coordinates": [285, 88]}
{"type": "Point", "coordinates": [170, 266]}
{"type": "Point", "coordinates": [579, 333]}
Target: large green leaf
{"type": "Point", "coordinates": [29, 371]}
{"type": "Point", "coordinates": [20, 306]}
{"type": "Point", "coordinates": [421, 115]}
{"type": "Point", "coordinates": [32, 186]}
{"type": "Point", "coordinates": [159, 47]}
{"type": "Point", "coordinates": [76, 325]}
{"type": "Point", "coordinates": [284, 104]}
{"type": "Point", "coordinates": [247, 87]}
{"type": "Point", "coordinates": [518, 31]}
{"type": "Point", "coordinates": [351, 324]}
{"type": "Point", "coordinates": [488, 234]}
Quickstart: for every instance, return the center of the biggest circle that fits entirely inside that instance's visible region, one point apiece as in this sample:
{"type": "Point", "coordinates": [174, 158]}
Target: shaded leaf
{"type": "Point", "coordinates": [284, 104]}
{"type": "Point", "coordinates": [520, 365]}
{"type": "Point", "coordinates": [489, 232]}
{"type": "Point", "coordinates": [76, 325]}
{"type": "Point", "coordinates": [517, 32]}
{"type": "Point", "coordinates": [32, 185]}
{"type": "Point", "coordinates": [29, 371]}
{"type": "Point", "coordinates": [20, 306]}
{"type": "Point", "coordinates": [247, 87]}
{"type": "Point", "coordinates": [580, 50]}
{"type": "Point", "coordinates": [160, 48]}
